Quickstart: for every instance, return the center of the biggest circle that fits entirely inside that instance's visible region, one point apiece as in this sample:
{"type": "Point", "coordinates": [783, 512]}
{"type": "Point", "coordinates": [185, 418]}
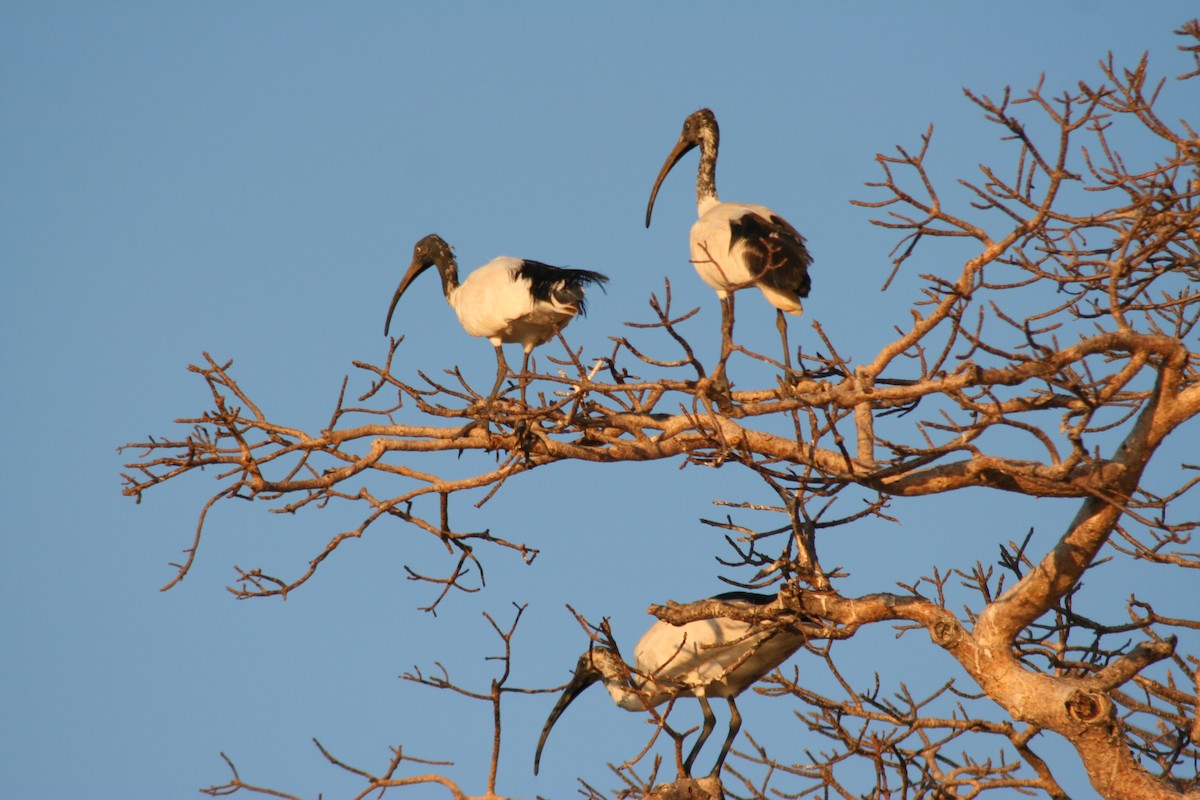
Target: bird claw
{"type": "Point", "coordinates": [688, 788]}
{"type": "Point", "coordinates": [787, 380]}
{"type": "Point", "coordinates": [465, 430]}
{"type": "Point", "coordinates": [718, 389]}
{"type": "Point", "coordinates": [720, 382]}
{"type": "Point", "coordinates": [527, 436]}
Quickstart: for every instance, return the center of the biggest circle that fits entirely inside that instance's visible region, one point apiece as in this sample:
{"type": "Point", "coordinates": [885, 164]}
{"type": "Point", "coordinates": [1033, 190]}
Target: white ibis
{"type": "Point", "coordinates": [735, 245]}
{"type": "Point", "coordinates": [709, 658]}
{"type": "Point", "coordinates": [507, 300]}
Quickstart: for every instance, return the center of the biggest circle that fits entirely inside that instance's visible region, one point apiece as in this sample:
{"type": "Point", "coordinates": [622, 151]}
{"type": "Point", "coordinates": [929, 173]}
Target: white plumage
{"type": "Point", "coordinates": [729, 242]}
{"type": "Point", "coordinates": [735, 245]}
{"type": "Point", "coordinates": [496, 303]}
{"type": "Point", "coordinates": [507, 300]}
{"type": "Point", "coordinates": [718, 657]}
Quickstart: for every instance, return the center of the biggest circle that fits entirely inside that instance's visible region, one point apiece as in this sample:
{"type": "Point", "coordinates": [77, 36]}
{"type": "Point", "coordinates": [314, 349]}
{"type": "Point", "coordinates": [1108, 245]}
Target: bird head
{"type": "Point", "coordinates": [432, 251]}
{"type": "Point", "coordinates": [699, 129]}
{"type": "Point", "coordinates": [598, 663]}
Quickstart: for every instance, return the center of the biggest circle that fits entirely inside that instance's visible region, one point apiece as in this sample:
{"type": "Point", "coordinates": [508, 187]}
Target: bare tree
{"type": "Point", "coordinates": [1055, 361]}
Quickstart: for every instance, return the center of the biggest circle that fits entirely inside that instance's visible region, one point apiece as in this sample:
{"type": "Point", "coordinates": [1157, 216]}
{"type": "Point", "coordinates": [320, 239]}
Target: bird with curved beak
{"type": "Point", "coordinates": [718, 657]}
{"type": "Point", "coordinates": [507, 300]}
{"type": "Point", "coordinates": [735, 245]}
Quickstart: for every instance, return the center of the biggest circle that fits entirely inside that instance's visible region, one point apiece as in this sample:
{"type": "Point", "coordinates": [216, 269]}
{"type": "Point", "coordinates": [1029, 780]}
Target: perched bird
{"type": "Point", "coordinates": [507, 300]}
{"type": "Point", "coordinates": [709, 658]}
{"type": "Point", "coordinates": [735, 245]}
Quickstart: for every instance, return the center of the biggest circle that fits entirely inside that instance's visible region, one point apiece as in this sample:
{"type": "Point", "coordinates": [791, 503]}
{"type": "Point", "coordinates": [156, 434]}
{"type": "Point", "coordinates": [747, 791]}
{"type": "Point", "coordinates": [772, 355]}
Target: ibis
{"type": "Point", "coordinates": [735, 245]}
{"type": "Point", "coordinates": [507, 300]}
{"type": "Point", "coordinates": [718, 657]}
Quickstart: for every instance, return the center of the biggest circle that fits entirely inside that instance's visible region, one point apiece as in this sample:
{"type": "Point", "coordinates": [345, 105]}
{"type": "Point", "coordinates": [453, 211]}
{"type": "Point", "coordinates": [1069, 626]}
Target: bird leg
{"type": "Point", "coordinates": [781, 324]}
{"type": "Point", "coordinates": [735, 724]}
{"type": "Point", "coordinates": [524, 375]}
{"type": "Point", "coordinates": [726, 329]}
{"type": "Point", "coordinates": [720, 382]}
{"type": "Point", "coordinates": [501, 374]}
{"type": "Point", "coordinates": [486, 411]}
{"type": "Point", "coordinates": [521, 426]}
{"type": "Point", "coordinates": [710, 720]}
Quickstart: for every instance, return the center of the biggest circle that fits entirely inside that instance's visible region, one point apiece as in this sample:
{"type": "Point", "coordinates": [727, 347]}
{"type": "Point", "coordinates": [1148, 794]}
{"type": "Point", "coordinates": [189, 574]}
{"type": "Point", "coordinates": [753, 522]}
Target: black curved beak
{"type": "Point", "coordinates": [681, 148]}
{"type": "Point", "coordinates": [414, 269]}
{"type": "Point", "coordinates": [585, 676]}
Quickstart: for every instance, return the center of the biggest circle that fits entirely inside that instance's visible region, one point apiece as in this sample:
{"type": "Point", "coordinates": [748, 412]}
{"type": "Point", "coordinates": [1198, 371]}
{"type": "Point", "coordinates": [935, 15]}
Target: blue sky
{"type": "Point", "coordinates": [249, 179]}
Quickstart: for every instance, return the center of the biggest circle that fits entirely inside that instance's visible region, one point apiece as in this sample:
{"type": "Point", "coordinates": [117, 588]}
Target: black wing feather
{"type": "Point", "coordinates": [566, 285]}
{"type": "Point", "coordinates": [774, 252]}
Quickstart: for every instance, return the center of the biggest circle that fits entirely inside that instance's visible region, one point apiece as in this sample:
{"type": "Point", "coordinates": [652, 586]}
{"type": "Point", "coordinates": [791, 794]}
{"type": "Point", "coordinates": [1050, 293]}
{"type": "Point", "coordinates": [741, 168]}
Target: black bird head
{"type": "Point", "coordinates": [699, 129]}
{"type": "Point", "coordinates": [432, 251]}
{"type": "Point", "coordinates": [597, 664]}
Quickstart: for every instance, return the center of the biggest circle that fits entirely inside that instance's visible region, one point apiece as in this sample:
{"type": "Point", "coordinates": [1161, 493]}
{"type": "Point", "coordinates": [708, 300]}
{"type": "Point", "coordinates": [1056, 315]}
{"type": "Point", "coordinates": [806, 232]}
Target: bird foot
{"type": "Point", "coordinates": [465, 430]}
{"type": "Point", "coordinates": [720, 384]}
{"type": "Point", "coordinates": [522, 431]}
{"type": "Point", "coordinates": [688, 788]}
{"type": "Point", "coordinates": [528, 435]}
{"type": "Point", "coordinates": [718, 389]}
{"type": "Point", "coordinates": [788, 379]}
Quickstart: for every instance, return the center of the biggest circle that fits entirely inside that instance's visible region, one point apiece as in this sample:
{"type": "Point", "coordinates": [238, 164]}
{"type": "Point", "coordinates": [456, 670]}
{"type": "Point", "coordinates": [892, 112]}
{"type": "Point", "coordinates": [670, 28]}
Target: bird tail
{"type": "Point", "coordinates": [566, 286]}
